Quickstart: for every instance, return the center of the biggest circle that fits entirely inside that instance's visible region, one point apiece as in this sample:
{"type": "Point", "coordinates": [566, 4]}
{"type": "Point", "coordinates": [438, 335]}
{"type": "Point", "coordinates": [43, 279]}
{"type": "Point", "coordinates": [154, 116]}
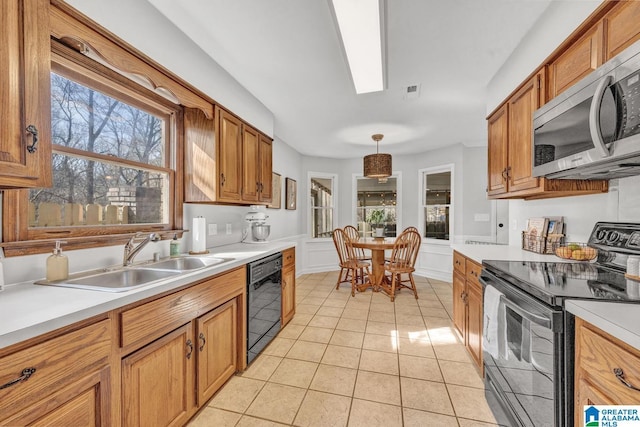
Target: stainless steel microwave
{"type": "Point", "coordinates": [592, 130]}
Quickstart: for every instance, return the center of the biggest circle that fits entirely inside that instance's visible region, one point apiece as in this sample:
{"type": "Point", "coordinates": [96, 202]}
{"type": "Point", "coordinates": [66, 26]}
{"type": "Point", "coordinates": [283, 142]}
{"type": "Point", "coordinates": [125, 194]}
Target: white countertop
{"type": "Point", "coordinates": [478, 253]}
{"type": "Point", "coordinates": [28, 310]}
{"type": "Point", "coordinates": [617, 319]}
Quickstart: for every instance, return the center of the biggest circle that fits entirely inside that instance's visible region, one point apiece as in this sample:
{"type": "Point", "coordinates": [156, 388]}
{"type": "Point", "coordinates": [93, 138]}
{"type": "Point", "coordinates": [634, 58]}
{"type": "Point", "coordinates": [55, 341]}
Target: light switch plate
{"type": "Point", "coordinates": [213, 229]}
{"type": "Point", "coordinates": [228, 228]}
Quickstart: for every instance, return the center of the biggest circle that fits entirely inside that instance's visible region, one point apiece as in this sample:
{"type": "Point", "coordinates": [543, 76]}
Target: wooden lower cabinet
{"type": "Point", "coordinates": [474, 322]}
{"type": "Point", "coordinates": [217, 349]}
{"type": "Point", "coordinates": [467, 305]}
{"type": "Point", "coordinates": [83, 403]}
{"type": "Point", "coordinates": [69, 383]}
{"type": "Point", "coordinates": [459, 304]}
{"type": "Point", "coordinates": [157, 381]}
{"type": "Point", "coordinates": [597, 357]}
{"type": "Point", "coordinates": [288, 286]}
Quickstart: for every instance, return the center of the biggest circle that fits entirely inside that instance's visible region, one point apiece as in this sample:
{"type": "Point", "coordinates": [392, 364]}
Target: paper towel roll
{"type": "Point", "coordinates": [199, 235]}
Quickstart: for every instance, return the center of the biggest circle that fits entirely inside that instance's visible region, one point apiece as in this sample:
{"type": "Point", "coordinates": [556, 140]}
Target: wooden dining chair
{"type": "Point", "coordinates": [403, 259]}
{"type": "Point", "coordinates": [354, 234]}
{"type": "Point", "coordinates": [411, 228]}
{"type": "Point", "coordinates": [350, 267]}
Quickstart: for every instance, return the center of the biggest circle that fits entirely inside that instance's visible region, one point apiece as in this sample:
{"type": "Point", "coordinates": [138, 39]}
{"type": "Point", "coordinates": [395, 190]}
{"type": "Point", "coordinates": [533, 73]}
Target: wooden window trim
{"type": "Point", "coordinates": [19, 239]}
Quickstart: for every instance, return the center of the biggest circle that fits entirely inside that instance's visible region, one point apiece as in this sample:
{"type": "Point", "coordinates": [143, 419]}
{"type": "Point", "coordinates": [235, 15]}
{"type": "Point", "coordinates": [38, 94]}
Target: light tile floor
{"type": "Point", "coordinates": [358, 361]}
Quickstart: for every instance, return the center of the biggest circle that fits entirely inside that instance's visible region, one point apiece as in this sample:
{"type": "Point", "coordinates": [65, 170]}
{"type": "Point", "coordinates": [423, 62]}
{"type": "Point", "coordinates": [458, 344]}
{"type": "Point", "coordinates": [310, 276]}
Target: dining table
{"type": "Point", "coordinates": [377, 246]}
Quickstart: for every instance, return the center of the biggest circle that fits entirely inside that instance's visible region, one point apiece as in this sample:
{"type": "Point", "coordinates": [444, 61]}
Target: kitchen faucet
{"type": "Point", "coordinates": [130, 251]}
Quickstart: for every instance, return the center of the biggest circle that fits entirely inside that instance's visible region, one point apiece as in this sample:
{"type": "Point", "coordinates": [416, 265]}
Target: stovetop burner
{"type": "Point", "coordinates": [554, 282]}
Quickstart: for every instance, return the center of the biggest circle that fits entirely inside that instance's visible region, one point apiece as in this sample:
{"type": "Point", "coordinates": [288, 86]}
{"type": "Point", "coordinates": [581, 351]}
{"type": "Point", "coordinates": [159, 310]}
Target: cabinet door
{"type": "Point", "coordinates": [25, 61]}
{"type": "Point", "coordinates": [498, 159]}
{"type": "Point", "coordinates": [200, 177]}
{"type": "Point", "coordinates": [157, 381]}
{"type": "Point", "coordinates": [459, 305]}
{"type": "Point", "coordinates": [584, 56]}
{"type": "Point", "coordinates": [474, 321]}
{"type": "Point", "coordinates": [84, 403]}
{"type": "Point", "coordinates": [229, 157]}
{"type": "Point", "coordinates": [250, 164]}
{"type": "Point", "coordinates": [217, 348]}
{"type": "Point", "coordinates": [266, 161]}
{"type": "Point", "coordinates": [521, 108]}
{"type": "Point", "coordinates": [621, 27]}
{"type": "Point", "coordinates": [586, 394]}
{"type": "Point", "coordinates": [288, 294]}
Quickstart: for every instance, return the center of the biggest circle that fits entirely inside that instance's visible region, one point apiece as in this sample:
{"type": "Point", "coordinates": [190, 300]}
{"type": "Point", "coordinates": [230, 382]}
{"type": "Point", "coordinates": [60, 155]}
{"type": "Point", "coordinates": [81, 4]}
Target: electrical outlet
{"type": "Point", "coordinates": [213, 229]}
{"type": "Point", "coordinates": [228, 228]}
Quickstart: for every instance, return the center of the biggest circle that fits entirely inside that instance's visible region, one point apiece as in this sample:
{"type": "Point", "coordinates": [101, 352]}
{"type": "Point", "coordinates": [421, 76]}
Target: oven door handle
{"type": "Point", "coordinates": [539, 320]}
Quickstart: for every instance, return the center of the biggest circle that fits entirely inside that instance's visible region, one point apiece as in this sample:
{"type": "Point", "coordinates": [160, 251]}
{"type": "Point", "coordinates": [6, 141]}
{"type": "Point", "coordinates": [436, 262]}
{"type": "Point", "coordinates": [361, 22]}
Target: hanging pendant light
{"type": "Point", "coordinates": [377, 165]}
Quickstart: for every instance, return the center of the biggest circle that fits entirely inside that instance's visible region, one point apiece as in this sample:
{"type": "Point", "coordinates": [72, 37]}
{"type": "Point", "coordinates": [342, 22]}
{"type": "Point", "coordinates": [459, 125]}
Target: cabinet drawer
{"type": "Point", "coordinates": [154, 319]}
{"type": "Point", "coordinates": [58, 362]}
{"type": "Point", "coordinates": [459, 262]}
{"type": "Point", "coordinates": [288, 257]}
{"type": "Point", "coordinates": [473, 271]}
{"type": "Point", "coordinates": [599, 354]}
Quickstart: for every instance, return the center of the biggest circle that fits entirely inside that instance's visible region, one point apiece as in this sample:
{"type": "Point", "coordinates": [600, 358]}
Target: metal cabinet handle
{"type": "Point", "coordinates": [257, 187]}
{"type": "Point", "coordinates": [24, 375]}
{"type": "Point", "coordinates": [620, 376]}
{"type": "Point", "coordinates": [34, 133]}
{"type": "Point", "coordinates": [204, 341]}
{"type": "Point", "coordinates": [190, 347]}
{"type": "Point", "coordinates": [504, 174]}
{"type": "Point", "coordinates": [222, 179]}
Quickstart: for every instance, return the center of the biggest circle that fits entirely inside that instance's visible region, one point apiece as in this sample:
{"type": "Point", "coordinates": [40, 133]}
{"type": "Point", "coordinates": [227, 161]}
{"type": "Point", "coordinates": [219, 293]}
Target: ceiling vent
{"type": "Point", "coordinates": [412, 91]}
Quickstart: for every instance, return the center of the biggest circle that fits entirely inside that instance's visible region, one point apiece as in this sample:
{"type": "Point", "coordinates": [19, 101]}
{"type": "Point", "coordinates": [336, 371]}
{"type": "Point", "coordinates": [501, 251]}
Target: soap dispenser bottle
{"type": "Point", "coordinates": [174, 246]}
{"type": "Point", "coordinates": [57, 264]}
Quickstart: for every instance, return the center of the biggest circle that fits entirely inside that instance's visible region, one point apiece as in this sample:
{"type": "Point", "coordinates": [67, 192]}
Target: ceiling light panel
{"type": "Point", "coordinates": [359, 22]}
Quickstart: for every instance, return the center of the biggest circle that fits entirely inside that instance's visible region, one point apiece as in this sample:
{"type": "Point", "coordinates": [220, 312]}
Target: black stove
{"type": "Point", "coordinates": [553, 282]}
{"type": "Point", "coordinates": [528, 337]}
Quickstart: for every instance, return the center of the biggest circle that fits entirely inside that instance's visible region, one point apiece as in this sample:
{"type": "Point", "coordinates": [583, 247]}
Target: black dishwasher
{"type": "Point", "coordinates": [264, 303]}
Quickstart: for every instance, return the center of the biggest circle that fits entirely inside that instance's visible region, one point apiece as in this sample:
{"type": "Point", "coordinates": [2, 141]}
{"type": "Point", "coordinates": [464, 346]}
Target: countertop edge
{"type": "Point", "coordinates": [244, 254]}
{"type": "Point", "coordinates": [617, 319]}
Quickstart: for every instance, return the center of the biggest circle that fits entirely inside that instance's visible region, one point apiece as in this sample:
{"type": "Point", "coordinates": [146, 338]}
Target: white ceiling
{"type": "Point", "coordinates": [288, 54]}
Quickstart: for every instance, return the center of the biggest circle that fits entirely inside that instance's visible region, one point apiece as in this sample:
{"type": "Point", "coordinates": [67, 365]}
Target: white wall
{"type": "Point", "coordinates": [141, 25]}
{"type": "Point", "coordinates": [556, 23]}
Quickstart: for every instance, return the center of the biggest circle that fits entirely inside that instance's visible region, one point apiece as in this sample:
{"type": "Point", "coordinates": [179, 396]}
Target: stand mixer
{"type": "Point", "coordinates": [257, 230]}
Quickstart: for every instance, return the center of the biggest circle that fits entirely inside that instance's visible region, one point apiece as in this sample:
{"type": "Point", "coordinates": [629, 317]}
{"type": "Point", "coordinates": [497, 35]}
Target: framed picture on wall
{"type": "Point", "coordinates": [291, 194]}
{"type": "Point", "coordinates": [276, 188]}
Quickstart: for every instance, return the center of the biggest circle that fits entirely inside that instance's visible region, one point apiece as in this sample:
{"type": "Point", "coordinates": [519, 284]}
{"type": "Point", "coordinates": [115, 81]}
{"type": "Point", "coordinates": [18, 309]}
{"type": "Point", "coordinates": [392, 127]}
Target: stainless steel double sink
{"type": "Point", "coordinates": [128, 278]}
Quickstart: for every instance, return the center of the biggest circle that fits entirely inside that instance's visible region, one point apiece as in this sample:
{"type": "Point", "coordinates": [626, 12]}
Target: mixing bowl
{"type": "Point", "coordinates": [260, 232]}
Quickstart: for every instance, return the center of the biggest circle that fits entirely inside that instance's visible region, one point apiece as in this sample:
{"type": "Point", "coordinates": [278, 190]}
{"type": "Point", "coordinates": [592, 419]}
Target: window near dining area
{"type": "Point", "coordinates": [323, 200]}
{"type": "Point", "coordinates": [376, 205]}
{"type": "Point", "coordinates": [437, 202]}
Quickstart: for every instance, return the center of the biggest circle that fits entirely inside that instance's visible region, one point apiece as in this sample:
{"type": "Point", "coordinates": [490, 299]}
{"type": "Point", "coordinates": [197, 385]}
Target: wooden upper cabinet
{"type": "Point", "coordinates": [25, 104]}
{"type": "Point", "coordinates": [200, 177]}
{"type": "Point", "coordinates": [498, 160]}
{"type": "Point", "coordinates": [266, 169]}
{"type": "Point", "coordinates": [621, 27]}
{"type": "Point", "coordinates": [521, 107]}
{"type": "Point", "coordinates": [581, 58]}
{"type": "Point", "coordinates": [251, 164]}
{"type": "Point", "coordinates": [229, 150]}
